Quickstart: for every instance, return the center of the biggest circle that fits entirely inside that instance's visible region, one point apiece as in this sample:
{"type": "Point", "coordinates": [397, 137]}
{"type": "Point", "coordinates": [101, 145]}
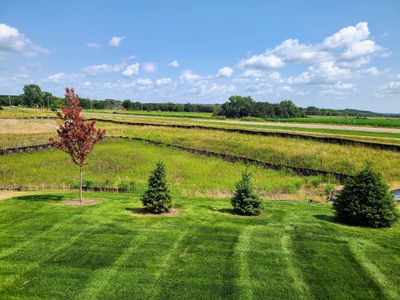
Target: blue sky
{"type": "Point", "coordinates": [339, 54]}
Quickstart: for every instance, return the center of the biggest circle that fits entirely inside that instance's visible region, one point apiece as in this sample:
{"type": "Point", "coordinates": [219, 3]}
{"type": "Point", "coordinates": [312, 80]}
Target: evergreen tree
{"type": "Point", "coordinates": [157, 198]}
{"type": "Point", "coordinates": [246, 201]}
{"type": "Point", "coordinates": [366, 200]}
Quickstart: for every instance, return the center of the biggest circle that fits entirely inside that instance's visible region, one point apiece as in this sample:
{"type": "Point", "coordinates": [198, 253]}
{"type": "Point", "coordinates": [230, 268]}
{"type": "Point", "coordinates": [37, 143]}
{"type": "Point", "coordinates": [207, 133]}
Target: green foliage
{"type": "Point", "coordinates": [365, 200]}
{"type": "Point", "coordinates": [246, 201]}
{"type": "Point", "coordinates": [157, 198]}
{"type": "Point", "coordinates": [1, 107]}
{"type": "Point", "coordinates": [33, 95]}
{"type": "Point", "coordinates": [242, 107]}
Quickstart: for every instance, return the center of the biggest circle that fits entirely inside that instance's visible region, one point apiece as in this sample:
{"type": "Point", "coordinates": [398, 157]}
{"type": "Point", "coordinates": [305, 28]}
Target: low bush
{"type": "Point", "coordinates": [246, 201]}
{"type": "Point", "coordinates": [366, 200]}
{"type": "Point", "coordinates": [157, 198]}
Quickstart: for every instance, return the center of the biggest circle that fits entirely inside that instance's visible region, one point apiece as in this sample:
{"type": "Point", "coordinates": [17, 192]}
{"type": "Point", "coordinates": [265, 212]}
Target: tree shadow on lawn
{"type": "Point", "coordinates": [42, 197]}
{"type": "Point", "coordinates": [142, 211]}
{"type": "Point", "coordinates": [330, 219]}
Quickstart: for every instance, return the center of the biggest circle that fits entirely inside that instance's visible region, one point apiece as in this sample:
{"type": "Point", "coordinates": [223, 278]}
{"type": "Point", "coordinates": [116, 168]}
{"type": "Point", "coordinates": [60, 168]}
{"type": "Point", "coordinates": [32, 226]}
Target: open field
{"type": "Point", "coordinates": [109, 251]}
{"type": "Point", "coordinates": [360, 133]}
{"type": "Point", "coordinates": [116, 163]}
{"type": "Point", "coordinates": [277, 150]}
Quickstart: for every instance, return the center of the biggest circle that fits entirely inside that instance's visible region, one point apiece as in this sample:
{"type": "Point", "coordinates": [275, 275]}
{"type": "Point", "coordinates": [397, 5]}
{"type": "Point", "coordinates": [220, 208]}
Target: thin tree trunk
{"type": "Point", "coordinates": [80, 184]}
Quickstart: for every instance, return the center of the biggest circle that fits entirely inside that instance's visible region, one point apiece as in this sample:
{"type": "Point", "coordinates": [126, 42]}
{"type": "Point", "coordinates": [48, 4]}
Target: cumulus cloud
{"type": "Point", "coordinates": [103, 68]}
{"type": "Point", "coordinates": [163, 81]}
{"type": "Point", "coordinates": [11, 40]}
{"type": "Point", "coordinates": [150, 67]}
{"type": "Point", "coordinates": [189, 76]}
{"type": "Point", "coordinates": [262, 61]}
{"type": "Point", "coordinates": [333, 59]}
{"type": "Point", "coordinates": [225, 72]}
{"type": "Point", "coordinates": [116, 41]}
{"type": "Point", "coordinates": [173, 64]}
{"type": "Point", "coordinates": [131, 70]}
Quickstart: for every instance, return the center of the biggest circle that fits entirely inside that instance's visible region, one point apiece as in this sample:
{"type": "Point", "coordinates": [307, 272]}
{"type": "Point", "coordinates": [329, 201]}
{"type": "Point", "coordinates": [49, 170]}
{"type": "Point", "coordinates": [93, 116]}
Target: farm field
{"type": "Point", "coordinates": [293, 250]}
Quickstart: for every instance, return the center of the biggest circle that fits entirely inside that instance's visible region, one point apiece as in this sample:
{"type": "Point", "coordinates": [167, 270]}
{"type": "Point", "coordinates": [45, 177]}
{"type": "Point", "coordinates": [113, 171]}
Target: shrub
{"type": "Point", "coordinates": [366, 200]}
{"type": "Point", "coordinates": [157, 198]}
{"type": "Point", "coordinates": [1, 107]}
{"type": "Point", "coordinates": [246, 201]}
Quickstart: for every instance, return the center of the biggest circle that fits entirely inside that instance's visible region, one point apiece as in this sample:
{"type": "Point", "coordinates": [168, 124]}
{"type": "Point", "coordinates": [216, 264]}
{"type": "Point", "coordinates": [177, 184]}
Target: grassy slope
{"type": "Point", "coordinates": [294, 250]}
{"type": "Point", "coordinates": [208, 120]}
{"type": "Point", "coordinates": [373, 122]}
{"type": "Point", "coordinates": [286, 151]}
{"type": "Point", "coordinates": [118, 161]}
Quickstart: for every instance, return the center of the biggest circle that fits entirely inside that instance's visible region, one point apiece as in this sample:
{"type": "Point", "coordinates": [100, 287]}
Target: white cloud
{"type": "Point", "coordinates": [347, 36]}
{"type": "Point", "coordinates": [333, 59]}
{"type": "Point", "coordinates": [116, 41]}
{"type": "Point", "coordinates": [131, 70]}
{"type": "Point", "coordinates": [393, 87]}
{"type": "Point", "coordinates": [150, 67]}
{"type": "Point", "coordinates": [11, 40]}
{"type": "Point", "coordinates": [163, 81]}
{"type": "Point", "coordinates": [103, 68]}
{"type": "Point", "coordinates": [93, 45]}
{"type": "Point", "coordinates": [225, 72]}
{"type": "Point", "coordinates": [173, 64]}
{"type": "Point", "coordinates": [372, 71]}
{"type": "Point", "coordinates": [56, 78]}
{"type": "Point", "coordinates": [189, 76]}
{"type": "Point", "coordinates": [252, 74]}
{"type": "Point", "coordinates": [262, 61]}
{"type": "Point", "coordinates": [144, 81]}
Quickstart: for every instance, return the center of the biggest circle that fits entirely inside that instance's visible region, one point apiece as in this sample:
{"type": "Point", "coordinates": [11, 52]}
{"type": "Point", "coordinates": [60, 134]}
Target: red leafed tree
{"type": "Point", "coordinates": [76, 137]}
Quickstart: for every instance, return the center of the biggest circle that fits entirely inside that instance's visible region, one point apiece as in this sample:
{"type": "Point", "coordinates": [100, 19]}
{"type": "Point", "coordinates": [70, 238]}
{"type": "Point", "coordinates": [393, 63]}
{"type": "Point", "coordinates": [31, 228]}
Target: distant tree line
{"type": "Point", "coordinates": [235, 107]}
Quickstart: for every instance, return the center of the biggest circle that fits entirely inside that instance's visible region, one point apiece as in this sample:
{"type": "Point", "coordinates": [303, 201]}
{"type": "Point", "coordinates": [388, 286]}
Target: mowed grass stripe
{"type": "Point", "coordinates": [193, 255]}
{"type": "Point", "coordinates": [359, 248]}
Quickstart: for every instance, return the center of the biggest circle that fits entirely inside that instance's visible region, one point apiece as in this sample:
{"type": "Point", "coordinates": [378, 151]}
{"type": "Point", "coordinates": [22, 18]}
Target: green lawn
{"type": "Point", "coordinates": [109, 251]}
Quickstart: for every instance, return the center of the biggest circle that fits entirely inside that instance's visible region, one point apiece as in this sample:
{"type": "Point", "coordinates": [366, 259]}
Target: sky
{"type": "Point", "coordinates": [333, 54]}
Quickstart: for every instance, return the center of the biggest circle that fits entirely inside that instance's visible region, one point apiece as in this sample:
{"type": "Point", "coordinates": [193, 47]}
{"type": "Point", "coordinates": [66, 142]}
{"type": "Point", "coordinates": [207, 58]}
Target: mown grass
{"type": "Point", "coordinates": [286, 151]}
{"type": "Point", "coordinates": [116, 163]}
{"type": "Point", "coordinates": [374, 122]}
{"type": "Point", "coordinates": [109, 251]}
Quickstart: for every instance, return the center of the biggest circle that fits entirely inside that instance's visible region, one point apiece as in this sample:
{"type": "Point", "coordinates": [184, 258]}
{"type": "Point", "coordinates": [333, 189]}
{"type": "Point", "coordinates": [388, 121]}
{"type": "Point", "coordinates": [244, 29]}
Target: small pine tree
{"type": "Point", "coordinates": [366, 200]}
{"type": "Point", "coordinates": [246, 201]}
{"type": "Point", "coordinates": [157, 198]}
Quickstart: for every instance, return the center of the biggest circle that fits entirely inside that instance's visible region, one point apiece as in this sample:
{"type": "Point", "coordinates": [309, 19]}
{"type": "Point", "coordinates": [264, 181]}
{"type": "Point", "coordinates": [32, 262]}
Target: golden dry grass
{"type": "Point", "coordinates": [15, 126]}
